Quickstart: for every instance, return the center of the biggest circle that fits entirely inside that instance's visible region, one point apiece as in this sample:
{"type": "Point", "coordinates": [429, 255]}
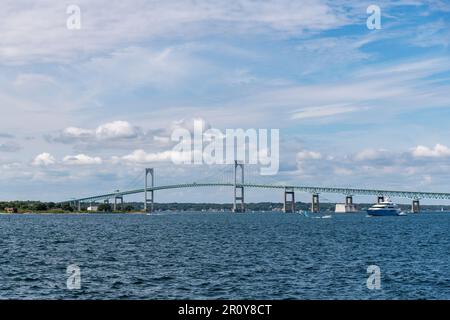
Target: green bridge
{"type": "Point", "coordinates": [239, 186]}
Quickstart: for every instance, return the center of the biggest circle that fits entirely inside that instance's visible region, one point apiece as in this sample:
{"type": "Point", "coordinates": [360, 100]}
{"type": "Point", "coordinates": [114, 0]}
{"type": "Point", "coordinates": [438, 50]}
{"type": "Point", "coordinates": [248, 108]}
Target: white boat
{"type": "Point", "coordinates": [304, 213]}
{"type": "Point", "coordinates": [385, 208]}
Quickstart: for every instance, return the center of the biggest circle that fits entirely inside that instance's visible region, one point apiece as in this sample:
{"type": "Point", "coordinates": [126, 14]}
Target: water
{"type": "Point", "coordinates": [224, 256]}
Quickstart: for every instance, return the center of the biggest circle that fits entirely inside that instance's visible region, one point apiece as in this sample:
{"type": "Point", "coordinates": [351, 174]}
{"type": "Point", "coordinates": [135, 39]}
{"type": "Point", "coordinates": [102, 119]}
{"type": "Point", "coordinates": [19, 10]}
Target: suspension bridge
{"type": "Point", "coordinates": [239, 185]}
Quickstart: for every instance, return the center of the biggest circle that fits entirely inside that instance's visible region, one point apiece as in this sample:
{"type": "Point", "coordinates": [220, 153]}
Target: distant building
{"type": "Point", "coordinates": [11, 210]}
{"type": "Point", "coordinates": [345, 208]}
{"type": "Point", "coordinates": [92, 208]}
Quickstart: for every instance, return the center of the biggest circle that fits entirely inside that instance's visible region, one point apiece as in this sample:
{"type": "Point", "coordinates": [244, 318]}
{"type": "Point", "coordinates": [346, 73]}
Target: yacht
{"type": "Point", "coordinates": [384, 208]}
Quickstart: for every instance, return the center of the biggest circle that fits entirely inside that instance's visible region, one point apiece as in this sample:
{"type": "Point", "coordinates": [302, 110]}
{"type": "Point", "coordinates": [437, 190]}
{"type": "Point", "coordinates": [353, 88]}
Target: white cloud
{"type": "Point", "coordinates": [77, 133]}
{"type": "Point", "coordinates": [370, 154]}
{"type": "Point", "coordinates": [153, 85]}
{"type": "Point", "coordinates": [141, 157]}
{"type": "Point", "coordinates": [132, 67]}
{"type": "Point", "coordinates": [82, 159]}
{"type": "Point", "coordinates": [33, 80]}
{"type": "Point", "coordinates": [438, 151]}
{"type": "Point", "coordinates": [116, 130]}
{"type": "Point", "coordinates": [323, 111]}
{"type": "Point", "coordinates": [388, 89]}
{"type": "Point", "coordinates": [309, 155]}
{"type": "Point", "coordinates": [107, 23]}
{"type": "Point", "coordinates": [335, 52]}
{"type": "Point", "coordinates": [43, 159]}
{"type": "Point", "coordinates": [432, 34]}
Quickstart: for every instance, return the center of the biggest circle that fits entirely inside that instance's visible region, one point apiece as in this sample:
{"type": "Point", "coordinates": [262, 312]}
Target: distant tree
{"type": "Point", "coordinates": [41, 206]}
{"type": "Point", "coordinates": [67, 207]}
{"type": "Point", "coordinates": [105, 207]}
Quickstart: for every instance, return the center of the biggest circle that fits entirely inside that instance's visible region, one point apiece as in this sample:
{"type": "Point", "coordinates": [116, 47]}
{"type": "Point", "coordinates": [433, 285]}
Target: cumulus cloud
{"type": "Point", "coordinates": [303, 160]}
{"type": "Point", "coordinates": [116, 130]}
{"type": "Point", "coordinates": [141, 157]}
{"type": "Point", "coordinates": [439, 151]}
{"type": "Point", "coordinates": [44, 159]}
{"type": "Point", "coordinates": [77, 133]}
{"type": "Point", "coordinates": [82, 159]}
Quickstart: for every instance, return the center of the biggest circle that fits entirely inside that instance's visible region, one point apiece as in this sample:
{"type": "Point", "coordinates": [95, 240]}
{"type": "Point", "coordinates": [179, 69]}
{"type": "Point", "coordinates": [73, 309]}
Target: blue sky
{"type": "Point", "coordinates": [355, 107]}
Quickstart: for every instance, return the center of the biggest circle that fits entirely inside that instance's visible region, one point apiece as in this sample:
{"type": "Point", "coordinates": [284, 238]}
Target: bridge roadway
{"type": "Point", "coordinates": [307, 189]}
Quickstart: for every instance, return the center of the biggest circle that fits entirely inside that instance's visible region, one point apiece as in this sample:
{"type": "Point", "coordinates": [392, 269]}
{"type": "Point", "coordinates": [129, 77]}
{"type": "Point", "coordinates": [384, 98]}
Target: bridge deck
{"type": "Point", "coordinates": [308, 189]}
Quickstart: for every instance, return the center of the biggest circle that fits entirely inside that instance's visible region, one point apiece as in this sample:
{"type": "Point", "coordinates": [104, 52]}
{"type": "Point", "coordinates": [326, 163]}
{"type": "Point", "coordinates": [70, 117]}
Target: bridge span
{"type": "Point", "coordinates": [239, 186]}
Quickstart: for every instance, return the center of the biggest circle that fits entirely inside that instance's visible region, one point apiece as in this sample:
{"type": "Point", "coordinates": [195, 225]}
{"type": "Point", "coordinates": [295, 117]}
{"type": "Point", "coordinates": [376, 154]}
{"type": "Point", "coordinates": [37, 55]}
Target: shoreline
{"type": "Point", "coordinates": [203, 211]}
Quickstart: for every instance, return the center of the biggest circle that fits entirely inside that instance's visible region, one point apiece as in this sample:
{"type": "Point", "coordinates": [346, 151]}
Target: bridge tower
{"type": "Point", "coordinates": [118, 197]}
{"type": "Point", "coordinates": [315, 204]}
{"type": "Point", "coordinates": [150, 201]}
{"type": "Point", "coordinates": [289, 205]}
{"type": "Point", "coordinates": [238, 195]}
{"type": "Point", "coordinates": [415, 208]}
{"type": "Point", "coordinates": [380, 199]}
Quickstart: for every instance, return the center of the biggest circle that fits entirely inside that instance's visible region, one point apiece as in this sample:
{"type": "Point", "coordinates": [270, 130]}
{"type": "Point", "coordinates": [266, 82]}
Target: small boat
{"type": "Point", "coordinates": [304, 213]}
{"type": "Point", "coordinates": [322, 217]}
{"type": "Point", "coordinates": [385, 208]}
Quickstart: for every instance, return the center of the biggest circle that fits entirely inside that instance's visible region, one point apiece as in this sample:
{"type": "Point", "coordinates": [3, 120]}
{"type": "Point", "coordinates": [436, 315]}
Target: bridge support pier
{"type": "Point", "coordinates": [415, 208]}
{"type": "Point", "coordinates": [289, 205]}
{"type": "Point", "coordinates": [315, 204]}
{"type": "Point", "coordinates": [79, 206]}
{"type": "Point", "coordinates": [349, 200]}
{"type": "Point", "coordinates": [148, 201]}
{"type": "Point", "coordinates": [238, 195]}
{"type": "Point", "coordinates": [380, 199]}
{"type": "Point", "coordinates": [115, 202]}
{"type": "Point", "coordinates": [106, 202]}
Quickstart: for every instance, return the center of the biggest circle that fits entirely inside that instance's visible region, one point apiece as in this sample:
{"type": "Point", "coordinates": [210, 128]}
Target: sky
{"type": "Point", "coordinates": [84, 111]}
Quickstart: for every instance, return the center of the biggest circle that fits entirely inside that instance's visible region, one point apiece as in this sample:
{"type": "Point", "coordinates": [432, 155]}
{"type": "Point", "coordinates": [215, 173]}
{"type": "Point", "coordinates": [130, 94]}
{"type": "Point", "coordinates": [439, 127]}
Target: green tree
{"type": "Point", "coordinates": [41, 207]}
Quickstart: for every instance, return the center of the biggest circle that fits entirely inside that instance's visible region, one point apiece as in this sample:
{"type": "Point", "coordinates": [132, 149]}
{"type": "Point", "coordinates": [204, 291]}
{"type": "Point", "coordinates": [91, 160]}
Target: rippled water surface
{"type": "Point", "coordinates": [224, 256]}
